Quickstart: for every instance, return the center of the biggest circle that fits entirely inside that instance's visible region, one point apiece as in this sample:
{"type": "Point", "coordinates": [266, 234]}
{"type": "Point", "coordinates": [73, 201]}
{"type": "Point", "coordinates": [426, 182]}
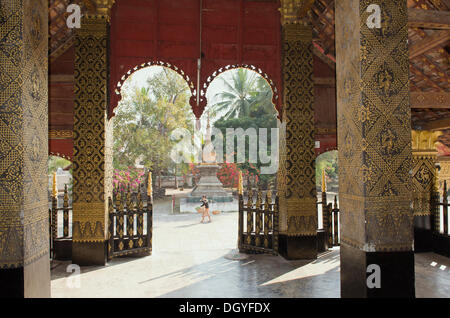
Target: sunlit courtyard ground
{"type": "Point", "coordinates": [199, 260]}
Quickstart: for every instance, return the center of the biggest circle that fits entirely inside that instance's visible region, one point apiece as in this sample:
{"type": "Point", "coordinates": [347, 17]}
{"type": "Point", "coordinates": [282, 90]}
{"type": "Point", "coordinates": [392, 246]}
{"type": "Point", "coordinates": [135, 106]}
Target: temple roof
{"type": "Point", "coordinates": [429, 57]}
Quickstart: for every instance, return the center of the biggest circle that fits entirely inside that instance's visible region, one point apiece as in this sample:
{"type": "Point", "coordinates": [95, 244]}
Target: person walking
{"type": "Point", "coordinates": [205, 206]}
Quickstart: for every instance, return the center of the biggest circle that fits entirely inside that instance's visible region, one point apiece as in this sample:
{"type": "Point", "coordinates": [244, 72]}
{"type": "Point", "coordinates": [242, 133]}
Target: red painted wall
{"type": "Point", "coordinates": [233, 32]}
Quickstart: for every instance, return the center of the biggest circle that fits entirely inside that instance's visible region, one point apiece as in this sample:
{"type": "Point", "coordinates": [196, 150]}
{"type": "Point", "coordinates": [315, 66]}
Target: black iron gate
{"type": "Point", "coordinates": [60, 242]}
{"type": "Point", "coordinates": [258, 222]}
{"type": "Point", "coordinates": [130, 223]}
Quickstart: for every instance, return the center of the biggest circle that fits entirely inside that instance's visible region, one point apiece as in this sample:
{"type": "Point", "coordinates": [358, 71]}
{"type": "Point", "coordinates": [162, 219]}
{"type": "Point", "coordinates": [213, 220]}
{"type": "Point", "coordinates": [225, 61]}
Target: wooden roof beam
{"type": "Point", "coordinates": [441, 4]}
{"type": "Point", "coordinates": [437, 124]}
{"type": "Point", "coordinates": [428, 19]}
{"type": "Point", "coordinates": [424, 77]}
{"type": "Point", "coordinates": [427, 44]}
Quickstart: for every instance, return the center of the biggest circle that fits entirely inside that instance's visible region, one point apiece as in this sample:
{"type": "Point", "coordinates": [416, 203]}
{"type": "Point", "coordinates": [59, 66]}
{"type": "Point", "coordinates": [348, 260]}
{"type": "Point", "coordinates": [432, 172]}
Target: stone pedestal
{"type": "Point", "coordinates": [210, 186]}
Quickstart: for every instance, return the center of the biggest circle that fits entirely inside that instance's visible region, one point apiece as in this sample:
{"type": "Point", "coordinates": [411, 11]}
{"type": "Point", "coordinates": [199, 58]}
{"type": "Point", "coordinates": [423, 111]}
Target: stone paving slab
{"type": "Point", "coordinates": [196, 260]}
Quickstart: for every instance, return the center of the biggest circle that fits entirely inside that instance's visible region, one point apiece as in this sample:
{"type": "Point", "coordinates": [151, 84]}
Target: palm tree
{"type": "Point", "coordinates": [243, 92]}
{"type": "Point", "coordinates": [263, 97]}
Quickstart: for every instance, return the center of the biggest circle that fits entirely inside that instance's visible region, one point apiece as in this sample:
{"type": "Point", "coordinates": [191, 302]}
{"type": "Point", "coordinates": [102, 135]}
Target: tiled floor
{"type": "Point", "coordinates": [199, 260]}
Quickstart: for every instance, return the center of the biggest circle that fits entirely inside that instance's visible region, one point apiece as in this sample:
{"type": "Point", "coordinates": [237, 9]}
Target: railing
{"type": "Point", "coordinates": [259, 234]}
{"type": "Point", "coordinates": [127, 231]}
{"type": "Point", "coordinates": [441, 212]}
{"type": "Point", "coordinates": [330, 220]}
{"type": "Point", "coordinates": [55, 222]}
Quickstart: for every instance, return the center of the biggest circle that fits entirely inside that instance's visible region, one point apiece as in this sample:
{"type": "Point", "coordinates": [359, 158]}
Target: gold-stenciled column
{"type": "Point", "coordinates": [24, 228]}
{"type": "Point", "coordinates": [443, 175]}
{"type": "Point", "coordinates": [424, 180]}
{"type": "Point", "coordinates": [375, 157]}
{"type": "Point", "coordinates": [92, 171]}
{"type": "Point", "coordinates": [296, 179]}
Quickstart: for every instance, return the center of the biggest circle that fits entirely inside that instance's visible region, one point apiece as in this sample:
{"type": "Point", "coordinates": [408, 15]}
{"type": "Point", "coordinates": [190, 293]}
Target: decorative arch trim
{"type": "Point", "coordinates": [198, 110]}
{"type": "Point", "coordinates": [321, 151]}
{"type": "Point", "coordinates": [61, 155]}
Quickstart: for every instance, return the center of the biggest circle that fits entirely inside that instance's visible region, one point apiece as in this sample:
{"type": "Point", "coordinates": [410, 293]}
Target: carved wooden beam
{"type": "Point", "coordinates": [434, 100]}
{"type": "Point", "coordinates": [319, 52]}
{"type": "Point", "coordinates": [428, 43]}
{"type": "Point", "coordinates": [60, 50]}
{"type": "Point", "coordinates": [441, 4]}
{"type": "Point", "coordinates": [60, 134]}
{"type": "Point", "coordinates": [428, 19]}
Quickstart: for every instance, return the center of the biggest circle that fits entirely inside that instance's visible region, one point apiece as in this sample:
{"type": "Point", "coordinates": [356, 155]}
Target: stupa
{"type": "Point", "coordinates": [209, 184]}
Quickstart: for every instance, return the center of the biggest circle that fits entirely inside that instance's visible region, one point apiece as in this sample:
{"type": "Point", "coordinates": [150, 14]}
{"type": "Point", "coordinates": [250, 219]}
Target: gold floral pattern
{"type": "Point", "coordinates": [23, 126]}
{"type": "Point", "coordinates": [375, 155]}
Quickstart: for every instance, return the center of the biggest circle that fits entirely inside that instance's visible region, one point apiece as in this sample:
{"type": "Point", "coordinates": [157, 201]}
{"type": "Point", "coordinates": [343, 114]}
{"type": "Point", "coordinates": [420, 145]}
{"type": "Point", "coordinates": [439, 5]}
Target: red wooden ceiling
{"type": "Point", "coordinates": [233, 32]}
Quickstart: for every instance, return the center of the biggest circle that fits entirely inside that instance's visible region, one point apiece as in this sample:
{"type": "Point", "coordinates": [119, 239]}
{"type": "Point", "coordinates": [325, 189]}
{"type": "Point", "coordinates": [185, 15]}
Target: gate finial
{"type": "Point", "coordinates": [54, 188]}
{"type": "Point", "coordinates": [324, 182]}
{"type": "Point", "coordinates": [149, 184]}
{"type": "Point", "coordinates": [240, 184]}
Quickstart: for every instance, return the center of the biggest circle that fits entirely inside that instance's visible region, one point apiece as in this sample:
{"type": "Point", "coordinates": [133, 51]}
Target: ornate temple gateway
{"type": "Point", "coordinates": [367, 78]}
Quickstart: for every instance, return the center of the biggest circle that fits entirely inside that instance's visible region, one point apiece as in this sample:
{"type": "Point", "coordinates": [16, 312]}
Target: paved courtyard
{"type": "Point", "coordinates": [198, 260]}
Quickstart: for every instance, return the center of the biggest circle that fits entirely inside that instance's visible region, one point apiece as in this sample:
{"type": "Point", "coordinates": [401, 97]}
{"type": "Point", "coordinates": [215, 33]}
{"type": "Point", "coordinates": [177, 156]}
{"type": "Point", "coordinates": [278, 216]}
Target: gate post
{"type": "Point", "coordinates": [150, 213]}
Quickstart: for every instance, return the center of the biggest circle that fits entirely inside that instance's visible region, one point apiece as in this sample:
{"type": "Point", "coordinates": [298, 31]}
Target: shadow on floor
{"type": "Point", "coordinates": [258, 276]}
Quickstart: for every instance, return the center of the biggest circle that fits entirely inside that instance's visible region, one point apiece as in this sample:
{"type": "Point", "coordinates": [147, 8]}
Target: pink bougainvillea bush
{"type": "Point", "coordinates": [132, 177]}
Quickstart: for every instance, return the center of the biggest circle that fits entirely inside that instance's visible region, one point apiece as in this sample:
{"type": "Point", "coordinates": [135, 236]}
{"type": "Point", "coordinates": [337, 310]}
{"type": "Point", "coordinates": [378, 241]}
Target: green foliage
{"type": "Point", "coordinates": [146, 118]}
{"type": "Point", "coordinates": [246, 103]}
{"type": "Point", "coordinates": [55, 162]}
{"type": "Point", "coordinates": [329, 162]}
{"type": "Point", "coordinates": [245, 92]}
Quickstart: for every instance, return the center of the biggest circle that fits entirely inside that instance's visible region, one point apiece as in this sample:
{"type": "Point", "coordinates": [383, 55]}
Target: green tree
{"type": "Point", "coordinates": [327, 161]}
{"type": "Point", "coordinates": [246, 103]}
{"type": "Point", "coordinates": [240, 95]}
{"type": "Point", "coordinates": [55, 162]}
{"type": "Point", "coordinates": [146, 118]}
